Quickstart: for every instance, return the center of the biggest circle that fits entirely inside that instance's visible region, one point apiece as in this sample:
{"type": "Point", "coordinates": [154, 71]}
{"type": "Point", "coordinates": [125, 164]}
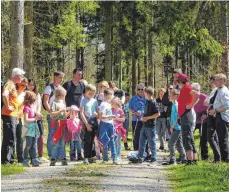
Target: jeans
{"type": "Point", "coordinates": [126, 126]}
{"type": "Point", "coordinates": [147, 134]}
{"type": "Point", "coordinates": [136, 127]}
{"type": "Point", "coordinates": [75, 148]}
{"type": "Point", "coordinates": [40, 141]}
{"type": "Point", "coordinates": [109, 128]}
{"type": "Point", "coordinates": [176, 140]}
{"type": "Point", "coordinates": [118, 145]}
{"type": "Point", "coordinates": [30, 148]}
{"type": "Point", "coordinates": [161, 130]}
{"type": "Point", "coordinates": [222, 132]}
{"type": "Point", "coordinates": [19, 141]}
{"type": "Point", "coordinates": [89, 137]}
{"type": "Point", "coordinates": [187, 132]}
{"type": "Point", "coordinates": [8, 141]}
{"type": "Point", "coordinates": [51, 131]}
{"type": "Point", "coordinates": [213, 137]}
{"type": "Point", "coordinates": [58, 149]}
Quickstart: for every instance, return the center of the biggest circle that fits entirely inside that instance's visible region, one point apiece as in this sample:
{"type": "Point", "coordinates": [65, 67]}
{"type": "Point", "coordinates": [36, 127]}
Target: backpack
{"type": "Point", "coordinates": [51, 94]}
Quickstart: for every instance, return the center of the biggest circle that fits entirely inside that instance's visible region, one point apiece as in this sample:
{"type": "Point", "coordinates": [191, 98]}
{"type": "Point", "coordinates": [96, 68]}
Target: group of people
{"type": "Point", "coordinates": [95, 123]}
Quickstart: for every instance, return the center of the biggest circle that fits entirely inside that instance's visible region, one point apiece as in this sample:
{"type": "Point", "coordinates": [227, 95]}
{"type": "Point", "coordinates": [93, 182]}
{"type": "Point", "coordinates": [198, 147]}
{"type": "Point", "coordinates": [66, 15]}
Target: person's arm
{"type": "Point", "coordinates": [5, 98]}
{"type": "Point", "coordinates": [39, 103]}
{"type": "Point", "coordinates": [29, 120]}
{"type": "Point", "coordinates": [55, 113]}
{"type": "Point", "coordinates": [88, 126]}
{"type": "Point", "coordinates": [154, 116]}
{"type": "Point", "coordinates": [195, 99]}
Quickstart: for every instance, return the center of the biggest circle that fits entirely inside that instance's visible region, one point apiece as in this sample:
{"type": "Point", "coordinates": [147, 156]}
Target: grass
{"type": "Point", "coordinates": [205, 177]}
{"type": "Point", "coordinates": [82, 178]}
{"type": "Point", "coordinates": [11, 169]}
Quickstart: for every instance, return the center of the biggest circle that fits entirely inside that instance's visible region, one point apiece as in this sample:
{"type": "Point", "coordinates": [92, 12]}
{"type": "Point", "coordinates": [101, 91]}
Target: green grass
{"type": "Point", "coordinates": [82, 178]}
{"type": "Point", "coordinates": [204, 177]}
{"type": "Point", "coordinates": [11, 169]}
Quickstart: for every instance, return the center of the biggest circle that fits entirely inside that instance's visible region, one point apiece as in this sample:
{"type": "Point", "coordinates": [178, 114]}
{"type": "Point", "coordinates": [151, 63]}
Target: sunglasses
{"type": "Point", "coordinates": [140, 89]}
{"type": "Point", "coordinates": [23, 85]}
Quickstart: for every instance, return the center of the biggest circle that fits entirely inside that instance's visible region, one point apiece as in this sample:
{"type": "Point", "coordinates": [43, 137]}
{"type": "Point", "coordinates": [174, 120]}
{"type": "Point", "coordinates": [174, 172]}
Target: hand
{"type": "Point", "coordinates": [62, 110]}
{"type": "Point", "coordinates": [112, 117]}
{"type": "Point", "coordinates": [88, 126]}
{"type": "Point", "coordinates": [203, 117]}
{"type": "Point", "coordinates": [212, 112]}
{"type": "Point", "coordinates": [37, 118]}
{"type": "Point", "coordinates": [171, 129]}
{"type": "Point", "coordinates": [189, 106]}
{"type": "Point", "coordinates": [144, 119]}
{"type": "Point", "coordinates": [137, 113]}
{"type": "Point", "coordinates": [10, 108]}
{"type": "Point", "coordinates": [38, 115]}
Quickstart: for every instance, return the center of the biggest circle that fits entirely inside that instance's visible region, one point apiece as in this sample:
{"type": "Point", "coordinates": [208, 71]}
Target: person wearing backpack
{"type": "Point", "coordinates": [9, 115]}
{"type": "Point", "coordinates": [47, 100]}
{"type": "Point", "coordinates": [75, 90]}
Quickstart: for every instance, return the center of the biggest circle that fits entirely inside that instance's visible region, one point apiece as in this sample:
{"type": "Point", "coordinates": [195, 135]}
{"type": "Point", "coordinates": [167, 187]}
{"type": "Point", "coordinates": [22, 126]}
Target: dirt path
{"type": "Point", "coordinates": [96, 177]}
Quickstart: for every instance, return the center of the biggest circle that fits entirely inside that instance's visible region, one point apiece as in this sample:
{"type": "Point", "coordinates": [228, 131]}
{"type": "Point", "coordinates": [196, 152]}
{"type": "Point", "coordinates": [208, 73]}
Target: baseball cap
{"type": "Point", "coordinates": [140, 86]}
{"type": "Point", "coordinates": [183, 78]}
{"type": "Point", "coordinates": [179, 71]}
{"type": "Point", "coordinates": [17, 71]}
{"type": "Point", "coordinates": [74, 108]}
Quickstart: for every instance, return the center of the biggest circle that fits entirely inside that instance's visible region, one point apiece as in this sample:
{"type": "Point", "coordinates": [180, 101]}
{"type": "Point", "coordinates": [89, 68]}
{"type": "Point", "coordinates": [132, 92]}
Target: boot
{"type": "Point", "coordinates": [126, 147]}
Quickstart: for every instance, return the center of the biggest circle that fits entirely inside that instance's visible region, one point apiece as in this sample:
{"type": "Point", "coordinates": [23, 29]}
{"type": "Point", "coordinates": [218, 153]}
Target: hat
{"type": "Point", "coordinates": [170, 86]}
{"type": "Point", "coordinates": [149, 90]}
{"type": "Point", "coordinates": [183, 78]}
{"type": "Point", "coordinates": [140, 86]}
{"type": "Point", "coordinates": [17, 71]}
{"type": "Point", "coordinates": [74, 108]}
{"type": "Point", "coordinates": [179, 71]}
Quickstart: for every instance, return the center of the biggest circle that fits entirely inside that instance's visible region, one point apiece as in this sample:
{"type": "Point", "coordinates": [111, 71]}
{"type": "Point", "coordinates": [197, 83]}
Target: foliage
{"type": "Point", "coordinates": [11, 169]}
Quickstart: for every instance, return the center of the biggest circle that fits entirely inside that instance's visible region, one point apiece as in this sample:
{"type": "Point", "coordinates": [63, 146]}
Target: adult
{"type": "Point", "coordinates": [221, 109]}
{"type": "Point", "coordinates": [37, 109]}
{"type": "Point", "coordinates": [9, 115]}
{"type": "Point", "coordinates": [48, 98]}
{"type": "Point", "coordinates": [186, 101]}
{"type": "Point", "coordinates": [137, 105]}
{"type": "Point", "coordinates": [75, 90]}
{"type": "Point", "coordinates": [211, 125]}
{"type": "Point", "coordinates": [161, 120]}
{"type": "Point", "coordinates": [201, 121]}
{"type": "Point", "coordinates": [19, 141]}
{"type": "Point", "coordinates": [117, 92]}
{"type": "Point", "coordinates": [176, 73]}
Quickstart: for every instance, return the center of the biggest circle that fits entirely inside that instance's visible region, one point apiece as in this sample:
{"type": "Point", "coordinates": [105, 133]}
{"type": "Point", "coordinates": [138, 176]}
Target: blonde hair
{"type": "Point", "coordinates": [90, 87]}
{"type": "Point", "coordinates": [159, 90]}
{"type": "Point", "coordinates": [221, 76]}
{"type": "Point", "coordinates": [60, 91]}
{"type": "Point", "coordinates": [117, 101]}
{"type": "Point", "coordinates": [174, 92]}
{"type": "Point", "coordinates": [104, 83]}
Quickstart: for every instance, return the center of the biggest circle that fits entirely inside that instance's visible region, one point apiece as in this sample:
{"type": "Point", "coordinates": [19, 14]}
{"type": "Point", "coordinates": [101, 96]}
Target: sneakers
{"type": "Point", "coordinates": [189, 162]}
{"type": "Point", "coordinates": [169, 163]}
{"type": "Point", "coordinates": [92, 160]}
{"type": "Point", "coordinates": [53, 162]}
{"type": "Point", "coordinates": [80, 158]}
{"type": "Point", "coordinates": [86, 161]}
{"type": "Point", "coordinates": [73, 159]}
{"type": "Point", "coordinates": [105, 162]}
{"type": "Point", "coordinates": [35, 162]}
{"type": "Point", "coordinates": [116, 163]}
{"type": "Point", "coordinates": [98, 157]}
{"type": "Point", "coordinates": [43, 160]}
{"type": "Point", "coordinates": [161, 148]}
{"type": "Point", "coordinates": [64, 162]}
{"type": "Point", "coordinates": [126, 147]}
{"type": "Point", "coordinates": [25, 163]}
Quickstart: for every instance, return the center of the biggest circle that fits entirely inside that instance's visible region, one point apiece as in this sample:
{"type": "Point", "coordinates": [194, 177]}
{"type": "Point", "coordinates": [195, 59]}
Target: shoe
{"type": "Point", "coordinates": [64, 162]}
{"type": "Point", "coordinates": [129, 139]}
{"type": "Point", "coordinates": [43, 160]}
{"type": "Point", "coordinates": [194, 162]}
{"type": "Point", "coordinates": [92, 160]}
{"type": "Point", "coordinates": [53, 162]}
{"type": "Point", "coordinates": [161, 148]}
{"type": "Point", "coordinates": [80, 158]}
{"type": "Point", "coordinates": [169, 163]}
{"type": "Point", "coordinates": [182, 162]}
{"type": "Point", "coordinates": [189, 163]}
{"type": "Point", "coordinates": [73, 159]}
{"type": "Point", "coordinates": [98, 157]}
{"type": "Point", "coordinates": [139, 160]}
{"type": "Point", "coordinates": [216, 161]}
{"type": "Point", "coordinates": [127, 149]}
{"type": "Point", "coordinates": [25, 163]}
{"type": "Point", "coordinates": [105, 162]}
{"type": "Point", "coordinates": [86, 161]}
{"type": "Point", "coordinates": [35, 163]}
{"type": "Point", "coordinates": [116, 163]}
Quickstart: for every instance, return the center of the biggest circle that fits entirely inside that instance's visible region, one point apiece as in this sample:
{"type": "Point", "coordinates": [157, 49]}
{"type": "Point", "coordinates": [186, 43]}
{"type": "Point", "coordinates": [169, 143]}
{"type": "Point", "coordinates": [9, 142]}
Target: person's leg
{"type": "Point", "coordinates": [33, 152]}
{"type": "Point", "coordinates": [204, 142]}
{"type": "Point", "coordinates": [51, 131]}
{"type": "Point", "coordinates": [126, 126]}
{"type": "Point", "coordinates": [28, 145]}
{"type": "Point", "coordinates": [62, 148]}
{"type": "Point", "coordinates": [151, 137]}
{"type": "Point", "coordinates": [160, 133]}
{"type": "Point", "coordinates": [19, 145]}
{"type": "Point", "coordinates": [172, 141]}
{"type": "Point", "coordinates": [72, 150]}
{"type": "Point", "coordinates": [134, 123]}
{"type": "Point", "coordinates": [111, 132]}
{"type": "Point", "coordinates": [164, 130]}
{"type": "Point", "coordinates": [180, 147]}
{"type": "Point", "coordinates": [118, 145]}
{"type": "Point", "coordinates": [222, 132]}
{"type": "Point", "coordinates": [40, 142]}
{"type": "Point", "coordinates": [197, 127]}
{"type": "Point", "coordinates": [137, 135]}
{"type": "Point", "coordinates": [142, 143]}
{"type": "Point", "coordinates": [213, 138]}
{"type": "Point", "coordinates": [87, 141]}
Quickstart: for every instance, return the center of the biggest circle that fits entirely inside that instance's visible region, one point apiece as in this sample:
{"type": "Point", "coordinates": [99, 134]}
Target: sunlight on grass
{"type": "Point", "coordinates": [11, 169]}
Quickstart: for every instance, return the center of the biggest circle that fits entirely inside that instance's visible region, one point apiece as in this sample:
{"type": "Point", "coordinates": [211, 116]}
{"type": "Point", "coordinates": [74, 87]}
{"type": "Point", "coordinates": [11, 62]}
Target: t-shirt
{"type": "Point", "coordinates": [48, 91]}
{"type": "Point", "coordinates": [200, 108]}
{"type": "Point", "coordinates": [37, 104]}
{"type": "Point", "coordinates": [137, 103]}
{"type": "Point", "coordinates": [151, 108]}
{"type": "Point", "coordinates": [56, 106]}
{"type": "Point", "coordinates": [162, 108]}
{"type": "Point", "coordinates": [10, 91]}
{"type": "Point", "coordinates": [184, 99]}
{"type": "Point", "coordinates": [89, 106]}
{"type": "Point", "coordinates": [105, 109]}
{"type": "Point", "coordinates": [118, 113]}
{"type": "Point", "coordinates": [74, 93]}
{"type": "Point", "coordinates": [28, 109]}
{"type": "Point", "coordinates": [174, 116]}
{"type": "Point", "coordinates": [100, 98]}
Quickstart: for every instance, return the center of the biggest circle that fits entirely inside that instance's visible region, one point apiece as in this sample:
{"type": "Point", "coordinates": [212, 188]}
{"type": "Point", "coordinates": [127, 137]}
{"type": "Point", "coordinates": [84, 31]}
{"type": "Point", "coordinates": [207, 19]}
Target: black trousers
{"type": "Point", "coordinates": [222, 132]}
{"type": "Point", "coordinates": [8, 141]}
{"type": "Point", "coordinates": [136, 129]}
{"type": "Point", "coordinates": [203, 140]}
{"type": "Point", "coordinates": [89, 136]}
{"type": "Point", "coordinates": [213, 137]}
{"type": "Point", "coordinates": [19, 141]}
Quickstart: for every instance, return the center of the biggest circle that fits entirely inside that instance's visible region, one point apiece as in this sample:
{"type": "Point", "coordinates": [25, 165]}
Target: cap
{"type": "Point", "coordinates": [171, 87]}
{"type": "Point", "coordinates": [140, 86]}
{"type": "Point", "coordinates": [74, 108]}
{"type": "Point", "coordinates": [179, 71]}
{"type": "Point", "coordinates": [183, 78]}
{"type": "Point", "coordinates": [17, 71]}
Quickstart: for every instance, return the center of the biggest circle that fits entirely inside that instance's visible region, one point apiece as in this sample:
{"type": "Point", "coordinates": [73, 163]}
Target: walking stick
{"type": "Point", "coordinates": [201, 126]}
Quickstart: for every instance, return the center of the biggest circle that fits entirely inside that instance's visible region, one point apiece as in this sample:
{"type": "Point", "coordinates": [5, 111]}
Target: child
{"type": "Point", "coordinates": [103, 85]}
{"type": "Point", "coordinates": [59, 115]}
{"type": "Point", "coordinates": [175, 138]}
{"type": "Point", "coordinates": [74, 126]}
{"type": "Point", "coordinates": [118, 124]}
{"type": "Point", "coordinates": [148, 131]}
{"type": "Point", "coordinates": [30, 120]}
{"type": "Point", "coordinates": [106, 127]}
{"type": "Point", "coordinates": [127, 120]}
{"type": "Point", "coordinates": [88, 111]}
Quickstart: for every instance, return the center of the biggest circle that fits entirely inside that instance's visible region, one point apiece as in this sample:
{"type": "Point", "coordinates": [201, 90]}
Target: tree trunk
{"type": "Point", "coordinates": [16, 34]}
{"type": "Point", "coordinates": [134, 48]}
{"type": "Point", "coordinates": [145, 57]}
{"type": "Point", "coordinates": [107, 40]}
{"type": "Point", "coordinates": [28, 38]}
{"type": "Point", "coordinates": [184, 60]}
{"type": "Point", "coordinates": [176, 55]}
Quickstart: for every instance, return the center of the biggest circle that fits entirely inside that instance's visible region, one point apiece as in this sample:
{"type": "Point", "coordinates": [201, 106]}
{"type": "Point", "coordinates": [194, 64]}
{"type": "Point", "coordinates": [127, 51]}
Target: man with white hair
{"type": "Point", "coordinates": [201, 121]}
{"type": "Point", "coordinates": [9, 115]}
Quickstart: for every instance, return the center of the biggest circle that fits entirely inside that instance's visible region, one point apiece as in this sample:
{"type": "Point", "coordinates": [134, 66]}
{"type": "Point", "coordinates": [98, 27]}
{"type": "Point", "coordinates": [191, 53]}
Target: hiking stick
{"type": "Point", "coordinates": [201, 126]}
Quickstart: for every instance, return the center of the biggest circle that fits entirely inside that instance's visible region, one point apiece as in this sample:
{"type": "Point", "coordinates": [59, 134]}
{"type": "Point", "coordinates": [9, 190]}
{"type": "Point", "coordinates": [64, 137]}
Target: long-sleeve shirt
{"type": "Point", "coordinates": [200, 108]}
{"type": "Point", "coordinates": [174, 115]}
{"type": "Point", "coordinates": [137, 103]}
{"type": "Point", "coordinates": [222, 100]}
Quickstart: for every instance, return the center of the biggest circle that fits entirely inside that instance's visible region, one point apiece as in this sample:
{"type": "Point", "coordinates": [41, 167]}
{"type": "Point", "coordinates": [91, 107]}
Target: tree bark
{"type": "Point", "coordinates": [16, 34]}
{"type": "Point", "coordinates": [134, 49]}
